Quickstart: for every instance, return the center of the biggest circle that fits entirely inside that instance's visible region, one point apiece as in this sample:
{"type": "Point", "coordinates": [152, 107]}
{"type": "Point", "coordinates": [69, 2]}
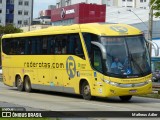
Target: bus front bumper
{"type": "Point", "coordinates": [130, 90]}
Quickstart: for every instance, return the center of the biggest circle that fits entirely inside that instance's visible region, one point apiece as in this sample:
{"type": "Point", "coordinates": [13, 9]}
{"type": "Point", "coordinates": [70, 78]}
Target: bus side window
{"type": "Point", "coordinates": [75, 46]}
{"type": "Point", "coordinates": [96, 59]}
{"type": "Point", "coordinates": [60, 44]}
{"type": "Point", "coordinates": [51, 43]}
{"type": "Point", "coordinates": [6, 43]}
{"type": "Point", "coordinates": [88, 37]}
{"type": "Point", "coordinates": [39, 45]}
{"type": "Point", "coordinates": [44, 44]}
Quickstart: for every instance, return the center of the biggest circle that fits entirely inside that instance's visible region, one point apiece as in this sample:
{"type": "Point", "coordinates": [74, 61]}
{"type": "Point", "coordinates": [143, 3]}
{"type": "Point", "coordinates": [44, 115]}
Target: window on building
{"type": "Point", "coordinates": [141, 0]}
{"type": "Point", "coordinates": [26, 3]}
{"type": "Point", "coordinates": [8, 1]}
{"type": "Point", "coordinates": [0, 21]}
{"type": "Point", "coordinates": [129, 0]}
{"type": "Point", "coordinates": [0, 1]}
{"type": "Point", "coordinates": [68, 2]}
{"type": "Point", "coordinates": [19, 22]}
{"type": "Point", "coordinates": [19, 12]}
{"type": "Point", "coordinates": [11, 1]}
{"type": "Point", "coordinates": [7, 11]}
{"type": "Point", "coordinates": [11, 11]}
{"type": "Point", "coordinates": [20, 2]}
{"type": "Point", "coordinates": [0, 11]}
{"type": "Point", "coordinates": [25, 12]}
{"type": "Point", "coordinates": [58, 5]}
{"type": "Point", "coordinates": [25, 22]}
{"type": "Point", "coordinates": [123, 0]}
{"type": "Point", "coordinates": [144, 0]}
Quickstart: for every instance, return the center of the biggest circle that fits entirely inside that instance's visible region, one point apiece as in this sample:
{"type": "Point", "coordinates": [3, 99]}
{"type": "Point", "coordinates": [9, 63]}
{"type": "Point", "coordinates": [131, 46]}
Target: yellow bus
{"type": "Point", "coordinates": [92, 59]}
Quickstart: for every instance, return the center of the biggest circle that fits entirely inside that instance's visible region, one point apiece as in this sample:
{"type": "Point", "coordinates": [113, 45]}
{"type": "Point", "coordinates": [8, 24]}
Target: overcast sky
{"type": "Point", "coordinates": [41, 5]}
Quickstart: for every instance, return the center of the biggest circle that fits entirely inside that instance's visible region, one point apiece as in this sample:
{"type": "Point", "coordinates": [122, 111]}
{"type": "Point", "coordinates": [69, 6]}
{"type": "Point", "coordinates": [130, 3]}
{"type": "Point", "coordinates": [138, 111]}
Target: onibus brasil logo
{"type": "Point", "coordinates": [119, 29]}
{"type": "Point", "coordinates": [71, 67]}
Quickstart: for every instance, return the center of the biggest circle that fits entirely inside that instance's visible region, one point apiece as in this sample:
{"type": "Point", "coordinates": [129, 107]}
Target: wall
{"type": "Point", "coordinates": [78, 13]}
{"type": "Point", "coordinates": [3, 14]}
{"type": "Point", "coordinates": [23, 17]}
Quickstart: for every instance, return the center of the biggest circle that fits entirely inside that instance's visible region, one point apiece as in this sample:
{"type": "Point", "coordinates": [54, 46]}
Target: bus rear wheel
{"type": "Point", "coordinates": [27, 84]}
{"type": "Point", "coordinates": [125, 98]}
{"type": "Point", "coordinates": [19, 83]}
{"type": "Point", "coordinates": [85, 90]}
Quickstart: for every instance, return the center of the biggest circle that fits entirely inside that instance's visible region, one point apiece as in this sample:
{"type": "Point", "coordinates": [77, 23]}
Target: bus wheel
{"type": "Point", "coordinates": [19, 83]}
{"type": "Point", "coordinates": [125, 98]}
{"type": "Point", "coordinates": [27, 84]}
{"type": "Point", "coordinates": [85, 90]}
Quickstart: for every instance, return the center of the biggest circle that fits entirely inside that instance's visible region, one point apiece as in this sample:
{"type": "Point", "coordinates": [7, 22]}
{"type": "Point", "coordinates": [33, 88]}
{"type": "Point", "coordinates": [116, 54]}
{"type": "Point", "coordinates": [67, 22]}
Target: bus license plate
{"type": "Point", "coordinates": [133, 91]}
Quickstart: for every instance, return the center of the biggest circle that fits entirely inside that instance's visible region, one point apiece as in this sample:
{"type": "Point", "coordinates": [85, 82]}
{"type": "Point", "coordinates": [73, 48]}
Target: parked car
{"type": "Point", "coordinates": [156, 76]}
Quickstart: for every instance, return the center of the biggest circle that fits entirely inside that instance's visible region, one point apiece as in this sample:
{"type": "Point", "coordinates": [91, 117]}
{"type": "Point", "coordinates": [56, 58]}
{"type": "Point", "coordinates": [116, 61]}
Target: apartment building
{"type": "Point", "coordinates": [128, 3]}
{"type": "Point", "coordinates": [17, 12]}
{"type": "Point", "coordinates": [63, 3]}
{"type": "Point", "coordinates": [117, 3]}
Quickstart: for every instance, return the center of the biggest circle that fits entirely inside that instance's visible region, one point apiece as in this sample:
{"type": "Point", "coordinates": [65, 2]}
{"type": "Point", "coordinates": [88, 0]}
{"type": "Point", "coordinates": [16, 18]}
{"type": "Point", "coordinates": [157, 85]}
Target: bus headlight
{"type": "Point", "coordinates": [107, 81]}
{"type": "Point", "coordinates": [111, 83]}
{"type": "Point", "coordinates": [149, 81]}
{"type": "Point", "coordinates": [114, 83]}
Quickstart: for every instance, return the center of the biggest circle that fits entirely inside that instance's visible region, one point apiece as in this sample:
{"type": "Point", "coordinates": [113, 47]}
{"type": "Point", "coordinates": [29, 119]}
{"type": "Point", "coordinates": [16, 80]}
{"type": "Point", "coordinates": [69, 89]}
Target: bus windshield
{"type": "Point", "coordinates": [127, 56]}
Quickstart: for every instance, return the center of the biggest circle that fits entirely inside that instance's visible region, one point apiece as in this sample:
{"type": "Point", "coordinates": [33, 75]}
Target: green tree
{"type": "Point", "coordinates": [9, 29]}
{"type": "Point", "coordinates": [156, 7]}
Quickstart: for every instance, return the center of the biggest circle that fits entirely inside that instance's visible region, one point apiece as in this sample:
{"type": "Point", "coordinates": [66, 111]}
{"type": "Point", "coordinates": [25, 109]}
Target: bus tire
{"type": "Point", "coordinates": [125, 98]}
{"type": "Point", "coordinates": [27, 84]}
{"type": "Point", "coordinates": [19, 83]}
{"type": "Point", "coordinates": [85, 90]}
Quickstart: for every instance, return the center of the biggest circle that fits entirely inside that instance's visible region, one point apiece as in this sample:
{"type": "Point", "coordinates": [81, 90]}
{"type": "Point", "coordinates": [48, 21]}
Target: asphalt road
{"type": "Point", "coordinates": [53, 101]}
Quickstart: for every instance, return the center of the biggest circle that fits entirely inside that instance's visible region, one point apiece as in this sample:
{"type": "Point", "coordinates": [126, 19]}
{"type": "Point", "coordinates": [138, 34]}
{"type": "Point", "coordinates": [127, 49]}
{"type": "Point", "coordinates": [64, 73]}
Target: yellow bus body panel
{"type": "Point", "coordinates": [49, 71]}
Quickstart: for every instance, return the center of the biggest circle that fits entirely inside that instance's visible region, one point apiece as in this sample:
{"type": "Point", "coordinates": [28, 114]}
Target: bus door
{"type": "Point", "coordinates": [73, 61]}
{"type": "Point", "coordinates": [97, 65]}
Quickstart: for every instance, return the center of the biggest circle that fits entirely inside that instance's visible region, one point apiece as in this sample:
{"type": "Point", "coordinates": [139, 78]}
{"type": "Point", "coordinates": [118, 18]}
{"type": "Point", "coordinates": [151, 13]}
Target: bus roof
{"type": "Point", "coordinates": [95, 28]}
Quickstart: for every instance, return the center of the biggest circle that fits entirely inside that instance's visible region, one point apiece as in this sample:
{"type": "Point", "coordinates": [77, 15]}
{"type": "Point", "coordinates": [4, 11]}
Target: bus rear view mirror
{"type": "Point", "coordinates": [155, 47]}
{"type": "Point", "coordinates": [102, 48]}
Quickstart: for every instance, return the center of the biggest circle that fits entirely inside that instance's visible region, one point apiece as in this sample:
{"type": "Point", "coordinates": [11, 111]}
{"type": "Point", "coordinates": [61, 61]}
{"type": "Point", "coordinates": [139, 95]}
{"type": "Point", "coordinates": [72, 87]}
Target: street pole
{"type": "Point", "coordinates": [150, 23]}
{"type": "Point", "coordinates": [29, 24]}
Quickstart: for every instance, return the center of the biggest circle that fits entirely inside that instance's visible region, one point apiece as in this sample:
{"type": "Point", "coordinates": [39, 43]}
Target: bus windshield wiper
{"type": "Point", "coordinates": [136, 64]}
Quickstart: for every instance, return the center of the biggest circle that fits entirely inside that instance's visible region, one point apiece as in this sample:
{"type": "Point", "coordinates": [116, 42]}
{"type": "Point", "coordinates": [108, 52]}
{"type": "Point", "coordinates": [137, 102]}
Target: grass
{"type": "Point", "coordinates": [152, 95]}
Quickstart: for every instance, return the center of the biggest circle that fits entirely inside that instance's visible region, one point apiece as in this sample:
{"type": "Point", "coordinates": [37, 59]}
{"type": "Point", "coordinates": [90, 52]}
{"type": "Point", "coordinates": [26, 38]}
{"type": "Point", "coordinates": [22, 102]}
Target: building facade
{"type": "Point", "coordinates": [17, 12]}
{"type": "Point", "coordinates": [63, 3]}
{"type": "Point", "coordinates": [117, 3]}
{"type": "Point", "coordinates": [128, 3]}
{"type": "Point", "coordinates": [78, 13]}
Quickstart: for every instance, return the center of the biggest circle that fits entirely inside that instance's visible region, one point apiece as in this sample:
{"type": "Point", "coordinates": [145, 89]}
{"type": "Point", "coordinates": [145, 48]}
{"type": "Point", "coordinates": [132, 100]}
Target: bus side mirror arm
{"type": "Point", "coordinates": [156, 48]}
{"type": "Point", "coordinates": [102, 48]}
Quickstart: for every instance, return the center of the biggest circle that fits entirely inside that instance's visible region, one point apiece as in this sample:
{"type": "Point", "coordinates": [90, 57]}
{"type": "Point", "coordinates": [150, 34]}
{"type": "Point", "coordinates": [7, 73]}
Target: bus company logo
{"type": "Point", "coordinates": [71, 67]}
{"type": "Point", "coordinates": [63, 13]}
{"type": "Point", "coordinates": [119, 29]}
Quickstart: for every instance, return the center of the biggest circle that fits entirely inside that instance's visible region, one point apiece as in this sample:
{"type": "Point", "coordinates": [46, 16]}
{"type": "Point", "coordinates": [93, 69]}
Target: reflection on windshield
{"type": "Point", "coordinates": [126, 56]}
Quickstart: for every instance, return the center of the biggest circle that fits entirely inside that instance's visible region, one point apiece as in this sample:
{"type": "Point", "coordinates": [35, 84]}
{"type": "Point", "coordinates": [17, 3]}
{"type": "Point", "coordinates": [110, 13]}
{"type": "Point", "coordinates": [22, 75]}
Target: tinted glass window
{"type": "Point", "coordinates": [44, 45]}
{"type": "Point", "coordinates": [88, 37]}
